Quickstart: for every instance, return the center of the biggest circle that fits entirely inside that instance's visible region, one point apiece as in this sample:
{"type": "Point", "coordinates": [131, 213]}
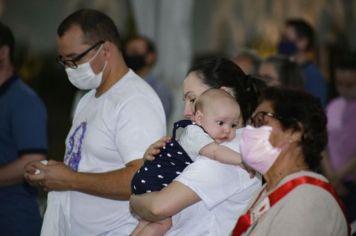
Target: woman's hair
{"type": "Point", "coordinates": [217, 72]}
{"type": "Point", "coordinates": [289, 73]}
{"type": "Point", "coordinates": [298, 110]}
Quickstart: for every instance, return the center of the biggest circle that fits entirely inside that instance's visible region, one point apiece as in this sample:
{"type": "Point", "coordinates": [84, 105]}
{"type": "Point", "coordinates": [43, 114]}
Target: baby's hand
{"type": "Point", "coordinates": [155, 148]}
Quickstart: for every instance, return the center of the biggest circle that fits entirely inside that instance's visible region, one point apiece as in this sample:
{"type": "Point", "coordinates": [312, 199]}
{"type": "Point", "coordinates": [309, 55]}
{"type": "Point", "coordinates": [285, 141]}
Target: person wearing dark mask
{"type": "Point", "coordinates": [298, 42]}
{"type": "Point", "coordinates": [140, 55]}
{"type": "Point", "coordinates": [340, 164]}
{"type": "Point", "coordinates": [23, 139]}
{"type": "Point", "coordinates": [113, 125]}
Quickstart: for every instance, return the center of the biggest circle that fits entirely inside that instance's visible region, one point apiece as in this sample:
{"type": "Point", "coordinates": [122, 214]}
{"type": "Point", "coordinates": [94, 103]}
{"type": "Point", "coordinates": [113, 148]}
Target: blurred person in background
{"type": "Point", "coordinates": [140, 55]}
{"type": "Point", "coordinates": [279, 70]}
{"type": "Point", "coordinates": [23, 138]}
{"type": "Point", "coordinates": [340, 163]}
{"type": "Point", "coordinates": [298, 42]}
{"type": "Point", "coordinates": [248, 60]}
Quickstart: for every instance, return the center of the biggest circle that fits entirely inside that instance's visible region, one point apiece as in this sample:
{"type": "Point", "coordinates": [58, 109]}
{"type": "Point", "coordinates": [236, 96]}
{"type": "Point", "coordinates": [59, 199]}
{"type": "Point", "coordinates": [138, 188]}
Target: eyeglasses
{"type": "Point", "coordinates": [72, 63]}
{"type": "Point", "coordinates": [259, 119]}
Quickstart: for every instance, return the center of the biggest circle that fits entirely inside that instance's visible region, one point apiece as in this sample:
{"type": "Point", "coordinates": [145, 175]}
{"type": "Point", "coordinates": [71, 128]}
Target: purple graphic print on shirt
{"type": "Point", "coordinates": [74, 147]}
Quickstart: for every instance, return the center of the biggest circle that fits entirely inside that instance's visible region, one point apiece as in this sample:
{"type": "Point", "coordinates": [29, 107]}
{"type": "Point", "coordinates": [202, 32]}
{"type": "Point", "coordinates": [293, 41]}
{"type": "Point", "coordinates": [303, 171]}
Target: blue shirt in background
{"type": "Point", "coordinates": [314, 82]}
{"type": "Point", "coordinates": [23, 130]}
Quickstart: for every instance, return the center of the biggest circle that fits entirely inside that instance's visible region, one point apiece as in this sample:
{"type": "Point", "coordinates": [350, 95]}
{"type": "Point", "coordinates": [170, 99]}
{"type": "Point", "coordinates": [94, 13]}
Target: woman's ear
{"type": "Point", "coordinates": [198, 117]}
{"type": "Point", "coordinates": [296, 133]}
{"type": "Point", "coordinates": [228, 90]}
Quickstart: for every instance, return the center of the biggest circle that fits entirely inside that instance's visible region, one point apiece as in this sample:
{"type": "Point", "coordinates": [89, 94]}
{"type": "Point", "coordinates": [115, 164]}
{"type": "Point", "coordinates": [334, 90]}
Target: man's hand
{"type": "Point", "coordinates": [53, 176]}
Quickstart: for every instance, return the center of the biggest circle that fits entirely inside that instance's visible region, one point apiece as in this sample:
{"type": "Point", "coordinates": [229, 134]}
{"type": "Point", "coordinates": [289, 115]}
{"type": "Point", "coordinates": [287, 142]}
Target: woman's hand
{"type": "Point", "coordinates": [155, 148]}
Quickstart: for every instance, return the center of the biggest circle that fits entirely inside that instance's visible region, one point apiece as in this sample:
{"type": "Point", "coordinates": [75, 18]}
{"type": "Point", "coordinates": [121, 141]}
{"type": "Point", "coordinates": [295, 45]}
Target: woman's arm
{"type": "Point", "coordinates": [165, 203]}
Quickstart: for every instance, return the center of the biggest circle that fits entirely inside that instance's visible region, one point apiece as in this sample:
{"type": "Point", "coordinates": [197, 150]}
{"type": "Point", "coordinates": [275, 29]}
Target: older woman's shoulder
{"type": "Point", "coordinates": [314, 209]}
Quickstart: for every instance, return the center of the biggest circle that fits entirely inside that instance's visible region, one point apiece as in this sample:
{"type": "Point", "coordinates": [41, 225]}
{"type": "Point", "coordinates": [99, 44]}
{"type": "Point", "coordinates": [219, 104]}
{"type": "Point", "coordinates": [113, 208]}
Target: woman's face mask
{"type": "Point", "coordinates": [287, 47]}
{"type": "Point", "coordinates": [256, 150]}
{"type": "Point", "coordinates": [83, 77]}
{"type": "Point", "coordinates": [135, 62]}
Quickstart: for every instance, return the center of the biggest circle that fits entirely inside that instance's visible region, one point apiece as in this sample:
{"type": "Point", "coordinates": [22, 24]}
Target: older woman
{"type": "Point", "coordinates": [204, 198]}
{"type": "Point", "coordinates": [284, 143]}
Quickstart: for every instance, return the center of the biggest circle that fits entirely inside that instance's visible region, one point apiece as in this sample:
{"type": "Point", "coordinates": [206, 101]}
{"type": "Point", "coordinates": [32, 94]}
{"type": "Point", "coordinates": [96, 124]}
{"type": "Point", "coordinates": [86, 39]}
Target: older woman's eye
{"type": "Point", "coordinates": [192, 100]}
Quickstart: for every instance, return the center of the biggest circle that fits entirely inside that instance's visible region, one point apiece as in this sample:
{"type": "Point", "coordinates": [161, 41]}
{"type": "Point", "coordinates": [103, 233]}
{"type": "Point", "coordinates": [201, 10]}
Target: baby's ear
{"type": "Point", "coordinates": [240, 122]}
{"type": "Point", "coordinates": [198, 117]}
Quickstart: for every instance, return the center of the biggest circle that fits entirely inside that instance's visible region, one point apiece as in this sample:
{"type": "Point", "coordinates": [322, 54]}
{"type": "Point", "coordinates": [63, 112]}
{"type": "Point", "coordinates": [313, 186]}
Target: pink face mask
{"type": "Point", "coordinates": [256, 150]}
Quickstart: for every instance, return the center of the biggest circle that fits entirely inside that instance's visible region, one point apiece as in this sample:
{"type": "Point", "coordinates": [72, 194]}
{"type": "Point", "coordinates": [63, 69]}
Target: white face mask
{"type": "Point", "coordinates": [256, 150]}
{"type": "Point", "coordinates": [83, 77]}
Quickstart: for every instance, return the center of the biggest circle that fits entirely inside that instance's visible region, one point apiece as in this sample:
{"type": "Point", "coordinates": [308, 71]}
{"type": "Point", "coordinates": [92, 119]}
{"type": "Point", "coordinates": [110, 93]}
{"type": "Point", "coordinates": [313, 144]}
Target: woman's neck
{"type": "Point", "coordinates": [289, 162]}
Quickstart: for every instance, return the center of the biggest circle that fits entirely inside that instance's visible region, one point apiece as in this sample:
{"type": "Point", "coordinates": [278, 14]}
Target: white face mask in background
{"type": "Point", "coordinates": [256, 150]}
{"type": "Point", "coordinates": [83, 77]}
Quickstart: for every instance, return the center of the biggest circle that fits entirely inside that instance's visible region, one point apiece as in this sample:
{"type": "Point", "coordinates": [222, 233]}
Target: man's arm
{"type": "Point", "coordinates": [169, 201]}
{"type": "Point", "coordinates": [115, 184]}
{"type": "Point", "coordinates": [13, 172]}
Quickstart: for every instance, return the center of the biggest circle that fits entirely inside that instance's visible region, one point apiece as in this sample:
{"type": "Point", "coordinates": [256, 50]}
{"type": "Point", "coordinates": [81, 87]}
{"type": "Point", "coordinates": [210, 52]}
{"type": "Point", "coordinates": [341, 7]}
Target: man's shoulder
{"type": "Point", "coordinates": [22, 93]}
{"type": "Point", "coordinates": [131, 85]}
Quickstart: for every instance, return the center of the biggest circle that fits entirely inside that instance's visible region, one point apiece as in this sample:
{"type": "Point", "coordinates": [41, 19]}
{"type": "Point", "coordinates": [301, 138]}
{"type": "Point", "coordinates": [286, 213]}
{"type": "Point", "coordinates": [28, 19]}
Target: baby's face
{"type": "Point", "coordinates": [220, 122]}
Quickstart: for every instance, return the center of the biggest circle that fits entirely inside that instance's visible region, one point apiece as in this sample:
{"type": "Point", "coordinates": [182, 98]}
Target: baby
{"type": "Point", "coordinates": [216, 118]}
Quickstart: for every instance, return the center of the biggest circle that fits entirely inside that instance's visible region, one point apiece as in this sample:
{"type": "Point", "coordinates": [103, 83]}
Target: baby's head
{"type": "Point", "coordinates": [218, 113]}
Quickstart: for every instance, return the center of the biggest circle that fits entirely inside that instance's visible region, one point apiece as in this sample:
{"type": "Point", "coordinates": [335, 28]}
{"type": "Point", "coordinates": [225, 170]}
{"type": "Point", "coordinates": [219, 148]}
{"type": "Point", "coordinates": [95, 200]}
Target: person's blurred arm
{"type": "Point", "coordinates": [29, 131]}
{"type": "Point", "coordinates": [57, 176]}
{"type": "Point", "coordinates": [348, 169]}
{"type": "Point", "coordinates": [333, 176]}
{"type": "Point", "coordinates": [13, 172]}
{"type": "Point", "coordinates": [167, 202]}
{"type": "Point", "coordinates": [326, 166]}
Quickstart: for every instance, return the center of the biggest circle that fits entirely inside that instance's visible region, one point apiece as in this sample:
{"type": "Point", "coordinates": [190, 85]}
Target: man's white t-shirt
{"type": "Point", "coordinates": [224, 190]}
{"type": "Point", "coordinates": [108, 132]}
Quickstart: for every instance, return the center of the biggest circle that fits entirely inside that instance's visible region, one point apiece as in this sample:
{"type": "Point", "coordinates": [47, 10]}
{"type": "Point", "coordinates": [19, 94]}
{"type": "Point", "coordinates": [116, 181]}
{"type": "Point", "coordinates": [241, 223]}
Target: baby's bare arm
{"type": "Point", "coordinates": [221, 153]}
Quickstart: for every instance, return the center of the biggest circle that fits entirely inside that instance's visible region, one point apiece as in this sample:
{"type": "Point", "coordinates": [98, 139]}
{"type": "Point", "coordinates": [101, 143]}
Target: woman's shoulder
{"type": "Point", "coordinates": [306, 210]}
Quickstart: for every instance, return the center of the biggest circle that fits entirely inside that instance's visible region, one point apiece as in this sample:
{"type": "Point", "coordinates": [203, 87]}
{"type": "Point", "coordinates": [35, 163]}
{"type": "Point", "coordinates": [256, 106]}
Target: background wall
{"type": "Point", "coordinates": [181, 30]}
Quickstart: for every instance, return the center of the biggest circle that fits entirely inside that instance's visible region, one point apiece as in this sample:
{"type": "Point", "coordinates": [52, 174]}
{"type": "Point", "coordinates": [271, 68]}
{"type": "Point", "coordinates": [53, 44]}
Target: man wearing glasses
{"type": "Point", "coordinates": [113, 125]}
